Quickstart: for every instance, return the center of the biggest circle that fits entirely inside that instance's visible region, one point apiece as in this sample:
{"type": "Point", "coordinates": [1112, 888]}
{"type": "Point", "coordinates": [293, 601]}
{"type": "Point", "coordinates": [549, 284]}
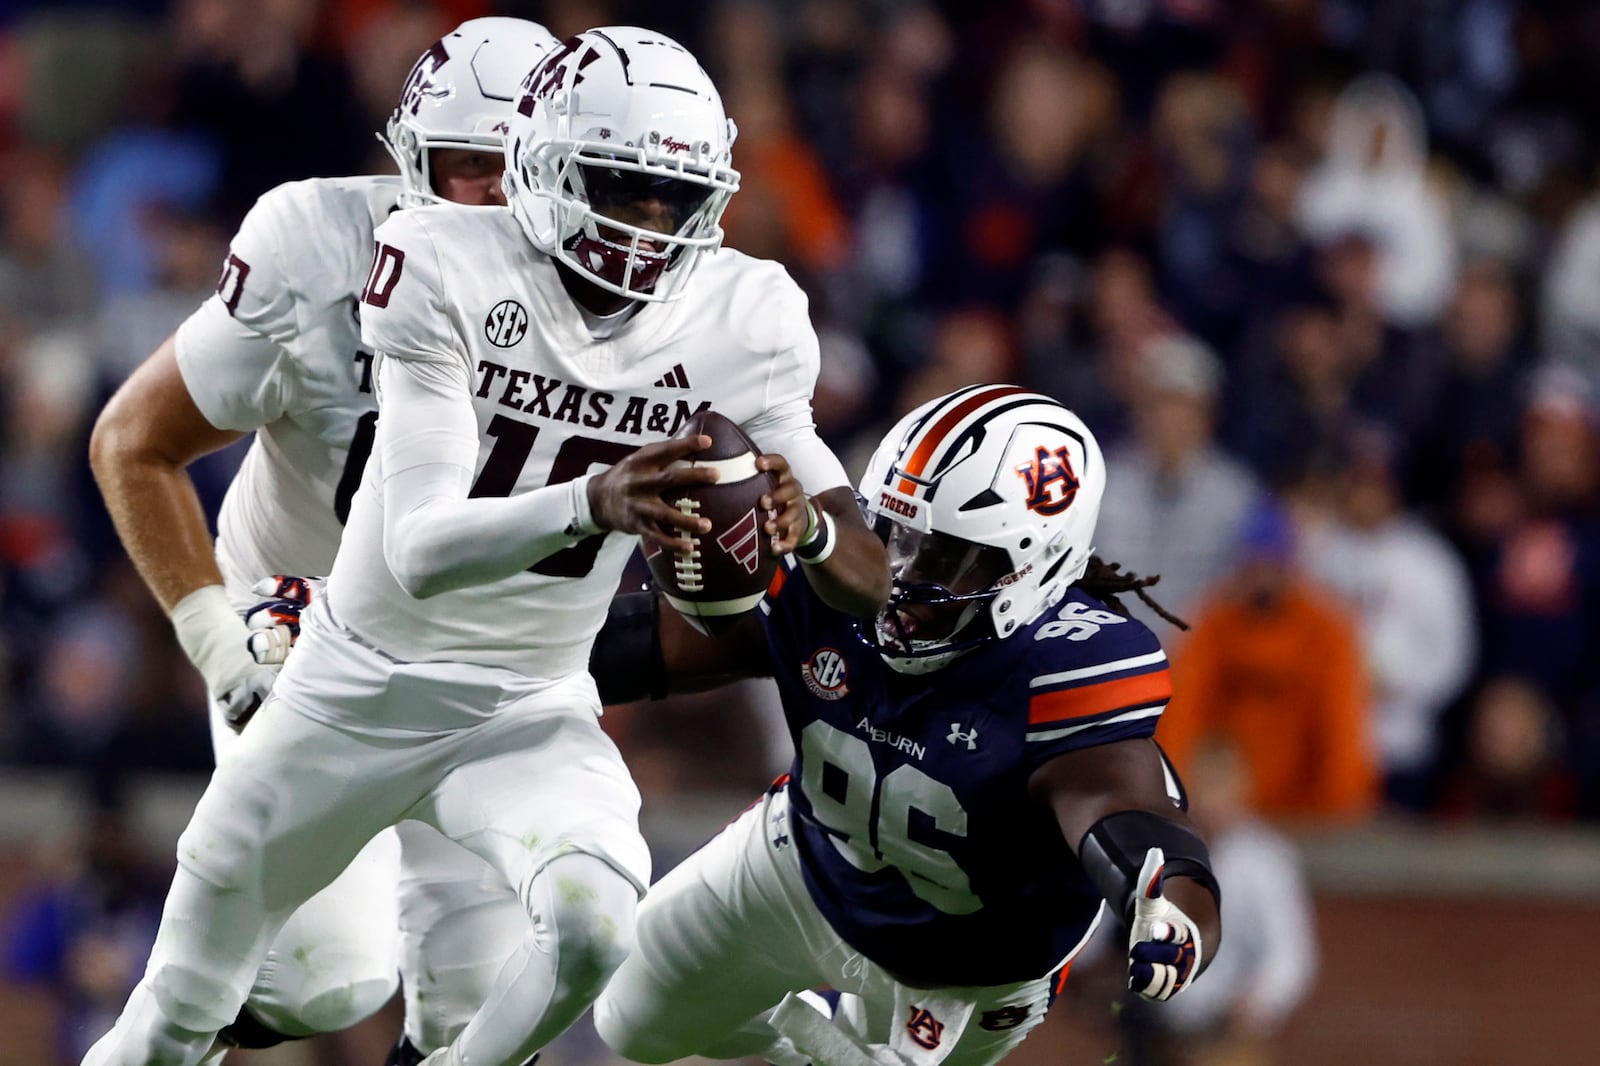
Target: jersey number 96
{"type": "Point", "coordinates": [870, 844]}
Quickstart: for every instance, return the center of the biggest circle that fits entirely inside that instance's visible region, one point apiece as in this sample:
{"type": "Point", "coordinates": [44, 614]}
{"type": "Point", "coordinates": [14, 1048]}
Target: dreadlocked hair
{"type": "Point", "coordinates": [1107, 581]}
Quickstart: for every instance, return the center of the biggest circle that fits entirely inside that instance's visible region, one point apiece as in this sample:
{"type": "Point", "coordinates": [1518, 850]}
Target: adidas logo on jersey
{"type": "Point", "coordinates": [673, 379]}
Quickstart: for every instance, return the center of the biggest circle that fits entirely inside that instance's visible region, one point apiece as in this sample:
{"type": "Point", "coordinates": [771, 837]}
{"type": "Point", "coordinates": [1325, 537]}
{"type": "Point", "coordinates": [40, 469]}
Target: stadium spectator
{"type": "Point", "coordinates": [1513, 766]}
{"type": "Point", "coordinates": [1539, 586]}
{"type": "Point", "coordinates": [1412, 601]}
{"type": "Point", "coordinates": [1029, 186]}
{"type": "Point", "coordinates": [1481, 350]}
{"type": "Point", "coordinates": [1237, 1014]}
{"type": "Point", "coordinates": [1274, 665]}
{"type": "Point", "coordinates": [1570, 316]}
{"type": "Point", "coordinates": [83, 927]}
{"type": "Point", "coordinates": [1085, 327]}
{"type": "Point", "coordinates": [1175, 502]}
{"type": "Point", "coordinates": [1203, 140]}
{"type": "Point", "coordinates": [1373, 180]}
{"type": "Point", "coordinates": [46, 278]}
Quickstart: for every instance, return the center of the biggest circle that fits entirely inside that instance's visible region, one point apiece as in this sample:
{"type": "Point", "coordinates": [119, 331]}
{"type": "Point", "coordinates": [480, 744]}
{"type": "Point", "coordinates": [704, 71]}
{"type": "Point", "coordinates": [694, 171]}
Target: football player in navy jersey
{"type": "Point", "coordinates": [975, 779]}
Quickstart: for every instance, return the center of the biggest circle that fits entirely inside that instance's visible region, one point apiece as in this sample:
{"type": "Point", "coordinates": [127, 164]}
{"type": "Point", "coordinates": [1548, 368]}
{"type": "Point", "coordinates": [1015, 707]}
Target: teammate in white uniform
{"type": "Point", "coordinates": [519, 351]}
{"type": "Point", "coordinates": [278, 350]}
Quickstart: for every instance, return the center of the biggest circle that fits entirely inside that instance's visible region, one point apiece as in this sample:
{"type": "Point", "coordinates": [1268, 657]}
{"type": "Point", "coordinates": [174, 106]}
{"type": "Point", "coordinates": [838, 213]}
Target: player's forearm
{"type": "Point", "coordinates": [853, 578]}
{"type": "Point", "coordinates": [444, 541]}
{"type": "Point", "coordinates": [156, 511]}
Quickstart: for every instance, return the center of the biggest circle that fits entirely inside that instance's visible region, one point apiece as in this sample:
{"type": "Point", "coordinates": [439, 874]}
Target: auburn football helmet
{"type": "Point", "coordinates": [987, 500]}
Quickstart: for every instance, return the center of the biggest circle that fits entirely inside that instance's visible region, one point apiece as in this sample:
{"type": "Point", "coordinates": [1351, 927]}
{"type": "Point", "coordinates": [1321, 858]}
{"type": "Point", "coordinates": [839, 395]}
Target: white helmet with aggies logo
{"type": "Point", "coordinates": [986, 498]}
{"type": "Point", "coordinates": [616, 116]}
{"type": "Point", "coordinates": [459, 95]}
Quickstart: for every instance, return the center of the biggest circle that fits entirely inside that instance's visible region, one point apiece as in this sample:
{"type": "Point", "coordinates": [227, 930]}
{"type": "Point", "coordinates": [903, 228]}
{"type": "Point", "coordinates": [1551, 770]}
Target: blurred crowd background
{"type": "Point", "coordinates": [1323, 275]}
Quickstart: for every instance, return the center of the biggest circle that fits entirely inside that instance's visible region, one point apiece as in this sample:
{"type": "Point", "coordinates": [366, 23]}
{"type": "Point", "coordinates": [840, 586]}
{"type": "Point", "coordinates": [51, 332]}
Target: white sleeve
{"type": "Point", "coordinates": [786, 425]}
{"type": "Point", "coordinates": [234, 374]}
{"type": "Point", "coordinates": [434, 537]}
{"type": "Point", "coordinates": [229, 351]}
{"type": "Point", "coordinates": [256, 288]}
{"type": "Point", "coordinates": [405, 310]}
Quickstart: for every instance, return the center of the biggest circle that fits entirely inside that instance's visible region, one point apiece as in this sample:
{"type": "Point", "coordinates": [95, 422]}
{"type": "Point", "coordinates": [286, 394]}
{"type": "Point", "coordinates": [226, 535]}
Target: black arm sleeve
{"type": "Point", "coordinates": [626, 658]}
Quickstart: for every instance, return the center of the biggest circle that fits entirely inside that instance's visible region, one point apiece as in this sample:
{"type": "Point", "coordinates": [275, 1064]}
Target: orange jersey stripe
{"type": "Point", "coordinates": [779, 576]}
{"type": "Point", "coordinates": [1096, 699]}
{"type": "Point", "coordinates": [935, 436]}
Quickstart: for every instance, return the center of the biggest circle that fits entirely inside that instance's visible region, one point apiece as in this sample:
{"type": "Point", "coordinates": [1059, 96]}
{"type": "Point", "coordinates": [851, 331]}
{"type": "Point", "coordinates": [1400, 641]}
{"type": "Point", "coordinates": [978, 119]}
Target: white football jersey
{"type": "Point", "coordinates": [553, 402]}
{"type": "Point", "coordinates": [278, 350]}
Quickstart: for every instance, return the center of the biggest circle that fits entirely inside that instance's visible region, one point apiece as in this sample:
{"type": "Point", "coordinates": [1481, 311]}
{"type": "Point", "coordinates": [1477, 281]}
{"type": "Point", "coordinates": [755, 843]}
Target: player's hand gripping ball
{"type": "Point", "coordinates": [714, 578]}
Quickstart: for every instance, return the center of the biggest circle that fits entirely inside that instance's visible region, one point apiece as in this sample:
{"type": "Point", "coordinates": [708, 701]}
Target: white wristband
{"type": "Point", "coordinates": [214, 637]}
{"type": "Point", "coordinates": [583, 523]}
{"type": "Point", "coordinates": [815, 549]}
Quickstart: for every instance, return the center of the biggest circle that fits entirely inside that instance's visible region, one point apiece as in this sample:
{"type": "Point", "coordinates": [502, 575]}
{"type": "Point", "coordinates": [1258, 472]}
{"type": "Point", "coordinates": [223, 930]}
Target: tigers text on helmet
{"type": "Point", "coordinates": [459, 95]}
{"type": "Point", "coordinates": [991, 484]}
{"type": "Point", "coordinates": [616, 118]}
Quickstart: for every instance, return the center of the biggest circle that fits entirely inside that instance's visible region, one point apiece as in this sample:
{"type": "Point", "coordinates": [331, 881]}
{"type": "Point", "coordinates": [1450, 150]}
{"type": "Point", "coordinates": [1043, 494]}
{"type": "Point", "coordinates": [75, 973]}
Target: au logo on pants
{"type": "Point", "coordinates": [924, 1028]}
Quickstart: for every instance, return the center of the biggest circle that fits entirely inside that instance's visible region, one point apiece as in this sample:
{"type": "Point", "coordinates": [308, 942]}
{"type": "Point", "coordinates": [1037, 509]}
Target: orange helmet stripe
{"type": "Point", "coordinates": [933, 438]}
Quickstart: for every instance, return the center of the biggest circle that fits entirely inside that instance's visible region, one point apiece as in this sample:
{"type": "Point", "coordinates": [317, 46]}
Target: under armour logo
{"type": "Point", "coordinates": [970, 736]}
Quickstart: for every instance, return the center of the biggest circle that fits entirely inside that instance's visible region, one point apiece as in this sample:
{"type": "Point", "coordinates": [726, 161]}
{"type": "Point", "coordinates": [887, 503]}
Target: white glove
{"type": "Point", "coordinates": [1163, 943]}
{"type": "Point", "coordinates": [215, 639]}
{"type": "Point", "coordinates": [241, 702]}
{"type": "Point", "coordinates": [274, 623]}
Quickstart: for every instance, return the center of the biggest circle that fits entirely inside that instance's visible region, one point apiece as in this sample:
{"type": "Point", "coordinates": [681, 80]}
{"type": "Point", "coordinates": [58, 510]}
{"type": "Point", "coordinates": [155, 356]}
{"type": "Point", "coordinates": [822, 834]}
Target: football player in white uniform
{"type": "Point", "coordinates": [974, 779]}
{"type": "Point", "coordinates": [278, 350]}
{"type": "Point", "coordinates": [532, 365]}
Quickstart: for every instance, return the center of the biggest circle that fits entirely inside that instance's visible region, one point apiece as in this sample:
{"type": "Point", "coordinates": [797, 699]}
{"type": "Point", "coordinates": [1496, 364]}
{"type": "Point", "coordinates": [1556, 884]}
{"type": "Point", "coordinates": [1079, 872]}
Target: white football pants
{"type": "Point", "coordinates": [337, 958]}
{"type": "Point", "coordinates": [460, 922]}
{"type": "Point", "coordinates": [727, 934]}
{"type": "Point", "coordinates": [525, 779]}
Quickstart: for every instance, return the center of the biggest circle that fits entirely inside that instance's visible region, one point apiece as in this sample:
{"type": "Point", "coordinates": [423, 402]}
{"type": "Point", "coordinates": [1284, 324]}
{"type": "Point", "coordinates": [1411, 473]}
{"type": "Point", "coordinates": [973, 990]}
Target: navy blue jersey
{"type": "Point", "coordinates": [911, 811]}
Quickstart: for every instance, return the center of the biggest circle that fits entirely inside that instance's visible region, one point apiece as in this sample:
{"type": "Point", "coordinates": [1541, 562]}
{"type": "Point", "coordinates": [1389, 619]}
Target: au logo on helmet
{"type": "Point", "coordinates": [1051, 483]}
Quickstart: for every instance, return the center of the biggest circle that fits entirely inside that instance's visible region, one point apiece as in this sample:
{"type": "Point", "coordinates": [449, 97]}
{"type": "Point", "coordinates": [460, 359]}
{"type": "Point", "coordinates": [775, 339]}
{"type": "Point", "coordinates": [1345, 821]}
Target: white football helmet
{"type": "Point", "coordinates": [459, 95]}
{"type": "Point", "coordinates": [618, 116]}
{"type": "Point", "coordinates": [986, 497]}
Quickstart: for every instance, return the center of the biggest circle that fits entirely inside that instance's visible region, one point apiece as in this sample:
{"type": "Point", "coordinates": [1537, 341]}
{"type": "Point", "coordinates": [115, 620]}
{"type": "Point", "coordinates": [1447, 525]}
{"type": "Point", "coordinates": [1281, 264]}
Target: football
{"type": "Point", "coordinates": [715, 578]}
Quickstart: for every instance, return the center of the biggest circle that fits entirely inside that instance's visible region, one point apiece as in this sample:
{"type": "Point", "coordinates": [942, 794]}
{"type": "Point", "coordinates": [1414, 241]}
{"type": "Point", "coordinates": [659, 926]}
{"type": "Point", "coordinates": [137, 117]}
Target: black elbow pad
{"type": "Point", "coordinates": [1113, 850]}
{"type": "Point", "coordinates": [626, 658]}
